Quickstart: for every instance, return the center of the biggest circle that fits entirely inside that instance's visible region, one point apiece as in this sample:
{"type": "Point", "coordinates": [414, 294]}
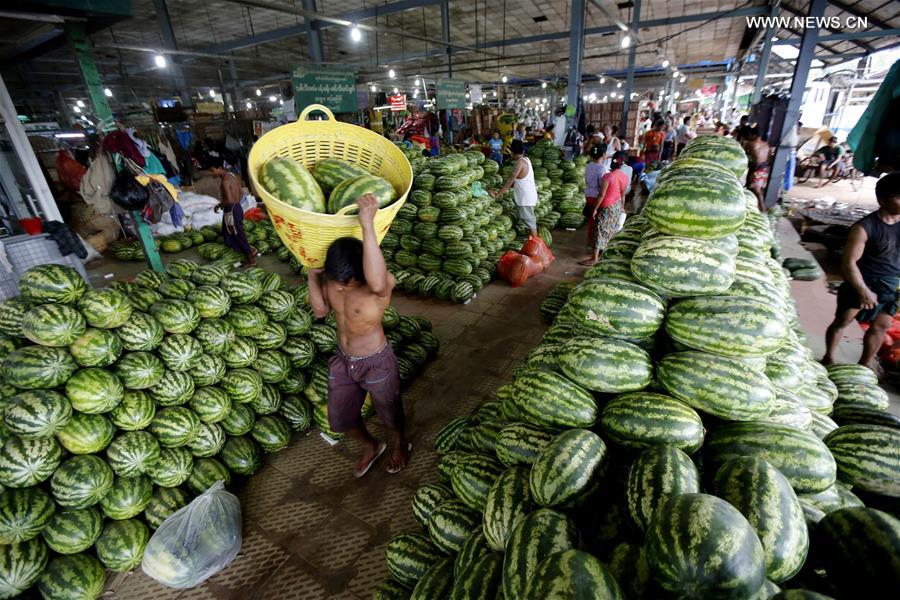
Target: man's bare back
{"type": "Point", "coordinates": [358, 312]}
{"type": "Point", "coordinates": [760, 152]}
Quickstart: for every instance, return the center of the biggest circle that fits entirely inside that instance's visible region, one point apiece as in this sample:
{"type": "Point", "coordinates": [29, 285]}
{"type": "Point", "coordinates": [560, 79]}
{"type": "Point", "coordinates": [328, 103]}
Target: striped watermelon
{"type": "Point", "coordinates": [21, 566]}
{"type": "Point", "coordinates": [551, 401]}
{"type": "Point", "coordinates": [121, 545]}
{"type": "Point", "coordinates": [605, 364]}
{"type": "Point", "coordinates": [721, 150]}
{"type": "Point", "coordinates": [175, 316]}
{"type": "Point", "coordinates": [127, 498]}
{"type": "Point", "coordinates": [247, 320]}
{"type": "Point", "coordinates": [644, 419]}
{"type": "Point", "coordinates": [94, 390]}
{"type": "Point", "coordinates": [346, 193]}
{"type": "Point", "coordinates": [727, 326]}
{"type": "Point", "coordinates": [290, 182]}
{"type": "Point", "coordinates": [324, 337]}
{"type": "Point", "coordinates": [215, 336]}
{"type": "Point", "coordinates": [520, 443]}
{"type": "Point", "coordinates": [211, 404]}
{"type": "Point", "coordinates": [242, 455]}
{"type": "Point", "coordinates": [81, 481]}
{"type": "Point", "coordinates": [96, 348]}
{"type": "Point", "coordinates": [174, 389]}
{"type": "Point", "coordinates": [209, 441]}
{"type": "Point", "coordinates": [450, 523]}
{"type": "Point", "coordinates": [86, 434]}
{"type": "Point", "coordinates": [139, 370]}
{"type": "Point", "coordinates": [573, 574]}
{"type": "Point", "coordinates": [134, 412]}
{"type": "Point", "coordinates": [472, 550]}
{"type": "Point", "coordinates": [180, 352]}
{"type": "Point", "coordinates": [132, 452]}
{"type": "Point", "coordinates": [679, 267]}
{"type": "Point", "coordinates": [297, 410]}
{"type": "Point", "coordinates": [867, 457]}
{"type": "Point", "coordinates": [271, 432]}
{"type": "Point", "coordinates": [658, 473]}
{"type": "Point", "coordinates": [58, 284]}
{"type": "Point", "coordinates": [73, 531]}
{"type": "Point", "coordinates": [389, 589]}
{"type": "Point", "coordinates": [448, 436]}
{"type": "Point", "coordinates": [173, 468]}
{"type": "Point", "coordinates": [76, 576]}
{"type": "Point", "coordinates": [616, 308]}
{"type": "Point", "coordinates": [273, 366]}
{"type": "Point", "coordinates": [716, 207]}
{"type": "Point", "coordinates": [300, 351]}
{"type": "Point", "coordinates": [23, 514]}
{"type": "Point", "coordinates": [239, 421]}
{"type": "Point", "coordinates": [25, 462]}
{"type": "Point", "coordinates": [36, 413]}
{"type": "Point", "coordinates": [849, 373]}
{"type": "Point", "coordinates": [723, 387]}
{"type": "Point", "coordinates": [210, 301]}
{"type": "Point", "coordinates": [150, 279]}
{"type": "Point", "coordinates": [700, 543]}
{"type": "Point", "coordinates": [209, 370]}
{"type": "Point", "coordinates": [426, 499]}
{"type": "Point", "coordinates": [242, 287]}
{"type": "Point", "coordinates": [568, 468]}
{"type": "Point", "coordinates": [53, 325]}
{"type": "Point", "coordinates": [540, 534]}
{"type": "Point", "coordinates": [141, 333]}
{"type": "Point", "coordinates": [277, 304]}
{"type": "Point", "coordinates": [12, 312]}
{"type": "Point", "coordinates": [860, 415]}
{"type": "Point", "coordinates": [174, 426]}
{"type": "Point", "coordinates": [472, 478]}
{"type": "Point", "coordinates": [329, 172]}
{"type": "Point", "coordinates": [800, 456]}
{"type": "Point", "coordinates": [481, 579]}
{"type": "Point", "coordinates": [763, 495]}
{"type": "Point", "coordinates": [861, 395]}
{"type": "Point", "coordinates": [409, 555]}
{"type": "Point", "coordinates": [836, 497]}
{"type": "Point", "coordinates": [205, 472]}
{"type": "Point", "coordinates": [243, 385]}
{"type": "Point", "coordinates": [163, 504]}
{"type": "Point", "coordinates": [38, 367]}
{"type": "Point", "coordinates": [859, 548]}
{"type": "Point", "coordinates": [143, 298]}
{"type": "Point", "coordinates": [175, 288]}
{"type": "Point", "coordinates": [105, 309]}
{"type": "Point", "coordinates": [436, 582]}
{"type": "Point", "coordinates": [508, 501]}
{"type": "Point", "coordinates": [628, 564]}
{"type": "Point", "coordinates": [272, 337]}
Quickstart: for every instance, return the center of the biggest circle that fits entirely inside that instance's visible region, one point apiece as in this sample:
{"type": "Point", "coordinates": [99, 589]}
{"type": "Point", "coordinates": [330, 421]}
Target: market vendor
{"type": "Point", "coordinates": [522, 182]}
{"type": "Point", "coordinates": [829, 157]}
{"type": "Point", "coordinates": [871, 268]}
{"type": "Point", "coordinates": [356, 285]}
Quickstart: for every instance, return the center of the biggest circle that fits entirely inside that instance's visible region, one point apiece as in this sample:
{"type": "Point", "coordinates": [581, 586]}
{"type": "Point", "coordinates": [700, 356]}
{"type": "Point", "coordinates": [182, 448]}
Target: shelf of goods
{"type": "Point", "coordinates": [671, 435]}
{"type": "Point", "coordinates": [119, 405]}
{"type": "Point", "coordinates": [447, 239]}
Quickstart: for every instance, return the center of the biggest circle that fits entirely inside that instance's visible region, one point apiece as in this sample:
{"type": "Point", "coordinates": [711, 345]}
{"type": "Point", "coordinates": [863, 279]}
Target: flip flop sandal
{"type": "Point", "coordinates": [381, 448]}
{"type": "Point", "coordinates": [393, 470]}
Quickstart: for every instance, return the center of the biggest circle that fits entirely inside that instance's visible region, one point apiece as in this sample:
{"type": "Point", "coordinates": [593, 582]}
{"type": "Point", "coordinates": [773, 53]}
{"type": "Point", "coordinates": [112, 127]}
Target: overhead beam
{"type": "Point", "coordinates": [445, 32]}
{"type": "Point", "coordinates": [799, 13]}
{"type": "Point", "coordinates": [576, 56]}
{"type": "Point", "coordinates": [629, 77]}
{"type": "Point", "coordinates": [766, 52]}
{"type": "Point", "coordinates": [792, 114]}
{"type": "Point", "coordinates": [859, 13]}
{"type": "Point", "coordinates": [313, 34]}
{"type": "Point", "coordinates": [845, 37]}
{"type": "Point", "coordinates": [170, 43]}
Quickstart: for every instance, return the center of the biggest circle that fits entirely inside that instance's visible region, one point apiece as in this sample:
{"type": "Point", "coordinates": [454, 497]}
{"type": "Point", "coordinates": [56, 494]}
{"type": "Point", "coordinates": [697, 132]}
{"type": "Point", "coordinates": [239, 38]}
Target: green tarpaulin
{"type": "Point", "coordinates": [877, 134]}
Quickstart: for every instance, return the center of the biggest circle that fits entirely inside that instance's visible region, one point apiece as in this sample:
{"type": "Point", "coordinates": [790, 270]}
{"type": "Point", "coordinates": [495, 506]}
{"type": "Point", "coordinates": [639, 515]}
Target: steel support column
{"type": "Point", "coordinates": [445, 30]}
{"type": "Point", "coordinates": [313, 35]}
{"type": "Point", "coordinates": [766, 52]}
{"type": "Point", "coordinates": [629, 80]}
{"type": "Point", "coordinates": [84, 55]}
{"type": "Point", "coordinates": [236, 85]}
{"type": "Point", "coordinates": [576, 53]}
{"type": "Point", "coordinates": [170, 43]}
{"type": "Point", "coordinates": [798, 86]}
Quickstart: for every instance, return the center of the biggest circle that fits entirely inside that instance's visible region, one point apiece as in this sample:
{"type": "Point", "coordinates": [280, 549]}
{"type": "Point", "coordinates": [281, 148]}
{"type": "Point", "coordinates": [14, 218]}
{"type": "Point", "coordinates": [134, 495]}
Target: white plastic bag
{"type": "Point", "coordinates": [197, 541]}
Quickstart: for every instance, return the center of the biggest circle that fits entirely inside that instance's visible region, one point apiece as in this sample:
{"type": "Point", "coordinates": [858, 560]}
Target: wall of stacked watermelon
{"type": "Point", "coordinates": [671, 435]}
{"type": "Point", "coordinates": [119, 405]}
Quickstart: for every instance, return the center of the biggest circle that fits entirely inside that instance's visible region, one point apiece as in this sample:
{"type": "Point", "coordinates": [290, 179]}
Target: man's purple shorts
{"type": "Point", "coordinates": [349, 378]}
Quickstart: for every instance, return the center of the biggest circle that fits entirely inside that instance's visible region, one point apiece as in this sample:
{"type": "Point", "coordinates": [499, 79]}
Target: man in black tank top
{"type": "Point", "coordinates": [871, 269]}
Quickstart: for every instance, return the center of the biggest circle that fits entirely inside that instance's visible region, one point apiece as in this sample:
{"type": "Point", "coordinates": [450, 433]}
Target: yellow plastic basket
{"type": "Point", "coordinates": [307, 234]}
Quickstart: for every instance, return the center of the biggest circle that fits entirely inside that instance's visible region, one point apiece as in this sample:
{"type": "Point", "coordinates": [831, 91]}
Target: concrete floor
{"type": "Point", "coordinates": [312, 531]}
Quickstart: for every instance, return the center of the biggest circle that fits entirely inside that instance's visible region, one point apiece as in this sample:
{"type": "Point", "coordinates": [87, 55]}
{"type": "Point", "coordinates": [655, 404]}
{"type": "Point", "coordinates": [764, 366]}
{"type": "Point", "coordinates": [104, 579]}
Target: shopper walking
{"type": "Point", "coordinates": [758, 173]}
{"type": "Point", "coordinates": [496, 146]}
{"type": "Point", "coordinates": [609, 210]}
{"type": "Point", "coordinates": [524, 189]}
{"type": "Point", "coordinates": [593, 179]}
{"type": "Point", "coordinates": [871, 266]}
{"type": "Point", "coordinates": [653, 141]}
{"type": "Point", "coordinates": [668, 146]}
{"type": "Point", "coordinates": [682, 136]}
{"type": "Point", "coordinates": [356, 285]}
{"type": "Point", "coordinates": [233, 234]}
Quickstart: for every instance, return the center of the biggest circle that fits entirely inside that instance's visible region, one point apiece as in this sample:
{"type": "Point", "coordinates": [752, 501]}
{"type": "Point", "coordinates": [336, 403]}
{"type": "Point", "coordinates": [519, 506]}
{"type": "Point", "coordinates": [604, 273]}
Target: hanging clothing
{"type": "Point", "coordinates": [165, 148]}
{"type": "Point", "coordinates": [184, 138]}
{"type": "Point", "coordinates": [140, 144]}
{"type": "Point", "coordinates": [67, 241]}
{"type": "Point", "coordinates": [152, 166]}
{"type": "Point", "coordinates": [119, 142]}
{"type": "Point", "coordinates": [96, 184]}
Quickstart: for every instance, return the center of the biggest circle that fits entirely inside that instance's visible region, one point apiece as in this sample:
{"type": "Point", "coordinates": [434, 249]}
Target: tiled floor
{"type": "Point", "coordinates": [312, 531]}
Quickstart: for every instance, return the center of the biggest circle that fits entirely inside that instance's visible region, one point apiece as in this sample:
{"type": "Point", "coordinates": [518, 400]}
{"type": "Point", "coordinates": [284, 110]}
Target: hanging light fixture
{"type": "Point", "coordinates": [665, 63]}
{"type": "Point", "coordinates": [281, 101]}
{"type": "Point", "coordinates": [418, 82]}
{"type": "Point", "coordinates": [212, 93]}
{"type": "Point", "coordinates": [107, 92]}
{"type": "Point", "coordinates": [626, 41]}
{"type": "Point", "coordinates": [675, 75]}
{"type": "Point", "coordinates": [619, 84]}
{"type": "Point", "coordinates": [77, 108]}
{"type": "Point", "coordinates": [392, 73]}
{"type": "Point", "coordinates": [355, 33]}
{"type": "Point", "coordinates": [396, 91]}
{"type": "Point", "coordinates": [249, 106]}
{"type": "Point", "coordinates": [160, 61]}
{"type": "Point", "coordinates": [373, 89]}
{"type": "Point", "coordinates": [258, 92]}
{"type": "Point", "coordinates": [543, 85]}
{"type": "Point", "coordinates": [80, 104]}
{"type": "Point", "coordinates": [504, 79]}
{"type": "Point", "coordinates": [272, 98]}
{"type": "Point", "coordinates": [683, 79]}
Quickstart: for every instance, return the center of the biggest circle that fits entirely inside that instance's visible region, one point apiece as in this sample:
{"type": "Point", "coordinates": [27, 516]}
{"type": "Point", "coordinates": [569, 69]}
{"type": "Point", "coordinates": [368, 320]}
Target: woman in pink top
{"type": "Point", "coordinates": [609, 209]}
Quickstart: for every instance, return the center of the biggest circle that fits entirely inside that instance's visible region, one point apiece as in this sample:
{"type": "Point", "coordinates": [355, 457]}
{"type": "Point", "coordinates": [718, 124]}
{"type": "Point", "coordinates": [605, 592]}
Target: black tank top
{"type": "Point", "coordinates": [881, 257]}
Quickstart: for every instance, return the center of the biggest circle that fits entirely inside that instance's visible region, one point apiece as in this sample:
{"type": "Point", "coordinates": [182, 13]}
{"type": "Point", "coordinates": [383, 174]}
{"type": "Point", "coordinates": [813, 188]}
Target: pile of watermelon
{"type": "Point", "coordinates": [445, 241]}
{"type": "Point", "coordinates": [671, 436]}
{"type": "Point", "coordinates": [119, 405]}
{"type": "Point", "coordinates": [560, 186]}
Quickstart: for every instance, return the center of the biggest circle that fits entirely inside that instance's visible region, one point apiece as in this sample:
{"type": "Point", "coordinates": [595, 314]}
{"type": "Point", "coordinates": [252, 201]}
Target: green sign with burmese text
{"type": "Point", "coordinates": [334, 88]}
{"type": "Point", "coordinates": [451, 93]}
